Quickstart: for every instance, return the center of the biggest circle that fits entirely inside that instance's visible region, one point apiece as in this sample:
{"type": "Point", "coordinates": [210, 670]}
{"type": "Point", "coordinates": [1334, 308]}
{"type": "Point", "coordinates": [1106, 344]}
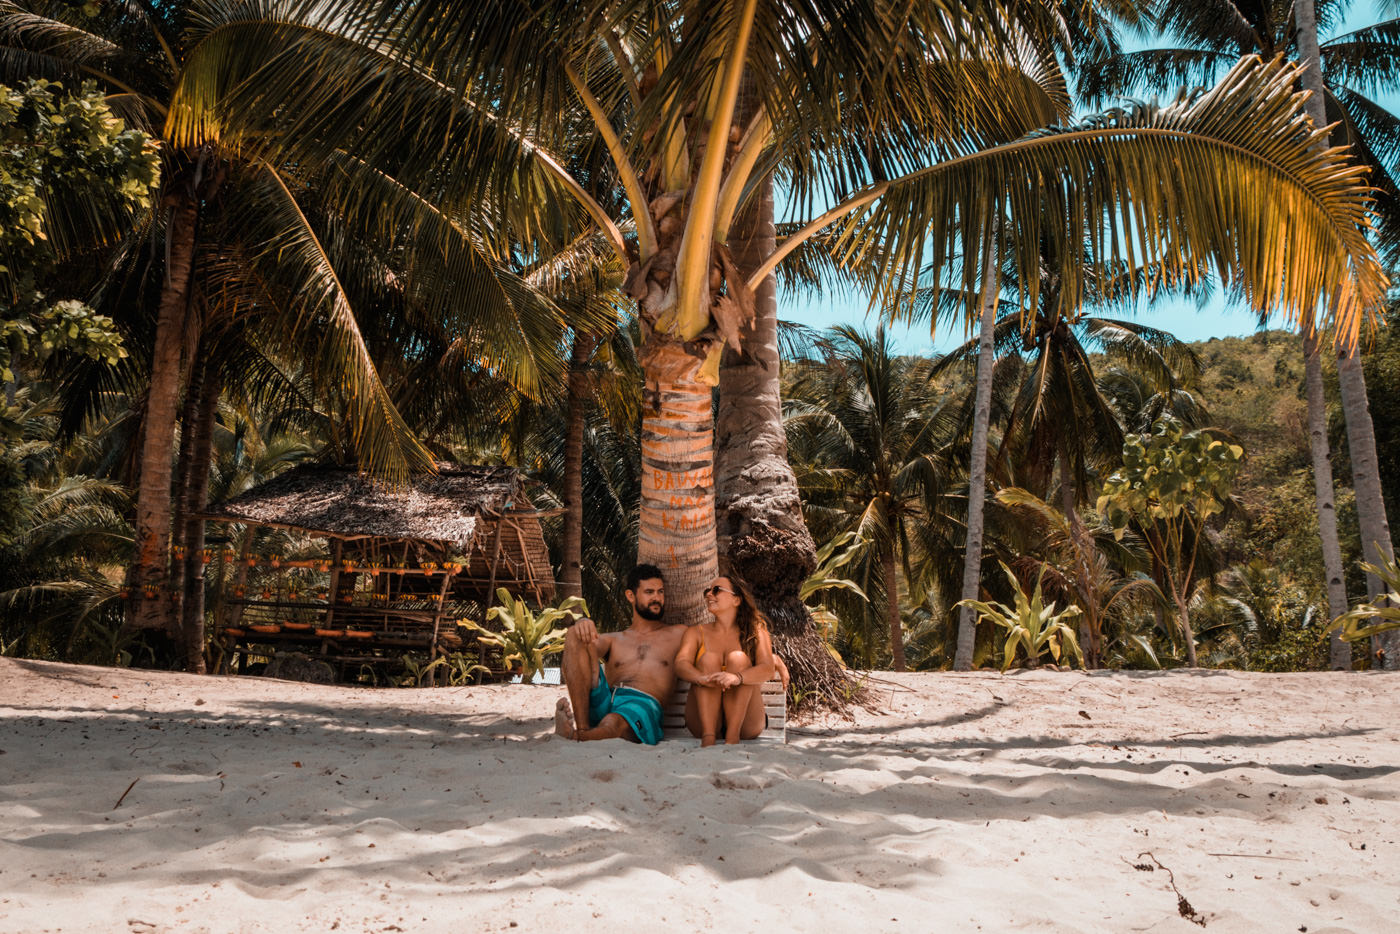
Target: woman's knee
{"type": "Point", "coordinates": [709, 663]}
{"type": "Point", "coordinates": [737, 661]}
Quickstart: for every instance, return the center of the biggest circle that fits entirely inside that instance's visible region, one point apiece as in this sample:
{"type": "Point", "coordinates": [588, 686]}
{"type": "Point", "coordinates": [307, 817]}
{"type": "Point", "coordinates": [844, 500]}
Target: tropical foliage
{"type": "Point", "coordinates": [387, 234]}
{"type": "Point", "coordinates": [528, 638]}
{"type": "Point", "coordinates": [1031, 626]}
{"type": "Point", "coordinates": [72, 175]}
{"type": "Point", "coordinates": [1383, 615]}
{"type": "Point", "coordinates": [1169, 486]}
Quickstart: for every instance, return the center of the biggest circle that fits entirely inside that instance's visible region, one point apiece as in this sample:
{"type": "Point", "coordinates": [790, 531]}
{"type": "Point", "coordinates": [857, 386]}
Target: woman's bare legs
{"type": "Point", "coordinates": [703, 705]}
{"type": "Point", "coordinates": [743, 706]}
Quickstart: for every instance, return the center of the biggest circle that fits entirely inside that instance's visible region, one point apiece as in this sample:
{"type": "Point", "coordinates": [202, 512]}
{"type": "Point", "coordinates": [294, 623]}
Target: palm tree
{"type": "Point", "coordinates": [872, 432]}
{"type": "Point", "coordinates": [1077, 570]}
{"type": "Point", "coordinates": [1060, 385]}
{"type": "Point", "coordinates": [63, 530]}
{"type": "Point", "coordinates": [241, 234]}
{"type": "Point", "coordinates": [1341, 76]}
{"type": "Point", "coordinates": [495, 89]}
{"type": "Point", "coordinates": [1057, 388]}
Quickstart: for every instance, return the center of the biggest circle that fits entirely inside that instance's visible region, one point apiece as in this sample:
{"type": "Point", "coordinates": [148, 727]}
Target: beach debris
{"type": "Point", "coordinates": [1183, 907]}
{"type": "Point", "coordinates": [125, 793]}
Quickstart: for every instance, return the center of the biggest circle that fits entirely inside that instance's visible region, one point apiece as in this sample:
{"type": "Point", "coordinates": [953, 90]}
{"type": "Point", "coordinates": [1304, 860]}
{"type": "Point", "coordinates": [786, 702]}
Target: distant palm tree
{"type": "Point", "coordinates": [871, 434]}
{"type": "Point", "coordinates": [1045, 355]}
{"type": "Point", "coordinates": [1059, 385]}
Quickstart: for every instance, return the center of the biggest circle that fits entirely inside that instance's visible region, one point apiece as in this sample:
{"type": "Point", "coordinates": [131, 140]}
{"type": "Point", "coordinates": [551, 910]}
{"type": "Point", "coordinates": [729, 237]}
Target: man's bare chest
{"type": "Point", "coordinates": [657, 653]}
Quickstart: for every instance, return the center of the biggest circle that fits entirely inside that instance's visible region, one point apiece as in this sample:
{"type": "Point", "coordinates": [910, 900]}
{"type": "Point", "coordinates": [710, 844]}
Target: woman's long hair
{"type": "Point", "coordinates": [748, 618]}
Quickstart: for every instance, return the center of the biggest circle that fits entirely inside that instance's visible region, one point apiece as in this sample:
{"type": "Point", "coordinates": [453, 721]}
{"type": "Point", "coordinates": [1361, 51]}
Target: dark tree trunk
{"type": "Point", "coordinates": [759, 525]}
{"type": "Point", "coordinates": [153, 493]}
{"type": "Point", "coordinates": [571, 573]}
{"type": "Point", "coordinates": [180, 505]}
{"type": "Point", "coordinates": [977, 469]}
{"type": "Point", "coordinates": [196, 499]}
{"type": "Point", "coordinates": [893, 617]}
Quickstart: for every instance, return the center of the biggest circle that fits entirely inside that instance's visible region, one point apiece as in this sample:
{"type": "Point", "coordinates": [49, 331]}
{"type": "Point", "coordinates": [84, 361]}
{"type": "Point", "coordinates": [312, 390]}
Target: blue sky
{"type": "Point", "coordinates": [1218, 318]}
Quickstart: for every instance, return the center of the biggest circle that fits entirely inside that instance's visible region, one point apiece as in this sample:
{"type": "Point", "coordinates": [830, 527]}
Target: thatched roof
{"type": "Point", "coordinates": [444, 507]}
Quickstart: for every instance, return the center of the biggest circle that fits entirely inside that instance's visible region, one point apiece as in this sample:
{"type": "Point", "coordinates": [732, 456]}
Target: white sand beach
{"type": "Point", "coordinates": [147, 801]}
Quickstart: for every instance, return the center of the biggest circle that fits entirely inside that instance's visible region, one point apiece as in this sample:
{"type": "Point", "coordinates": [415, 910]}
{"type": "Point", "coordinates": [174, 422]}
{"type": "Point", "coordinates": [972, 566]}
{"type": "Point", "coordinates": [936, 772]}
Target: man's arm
{"type": "Point", "coordinates": [584, 632]}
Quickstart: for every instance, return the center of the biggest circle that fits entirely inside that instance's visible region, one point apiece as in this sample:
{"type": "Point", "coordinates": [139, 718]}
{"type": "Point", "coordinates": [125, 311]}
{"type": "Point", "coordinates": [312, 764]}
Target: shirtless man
{"type": "Point", "coordinates": [620, 681]}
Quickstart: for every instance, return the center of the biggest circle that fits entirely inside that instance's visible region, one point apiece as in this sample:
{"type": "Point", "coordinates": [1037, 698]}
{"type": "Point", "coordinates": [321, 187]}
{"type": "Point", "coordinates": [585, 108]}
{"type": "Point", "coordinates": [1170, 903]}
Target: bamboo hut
{"type": "Point", "coordinates": [400, 568]}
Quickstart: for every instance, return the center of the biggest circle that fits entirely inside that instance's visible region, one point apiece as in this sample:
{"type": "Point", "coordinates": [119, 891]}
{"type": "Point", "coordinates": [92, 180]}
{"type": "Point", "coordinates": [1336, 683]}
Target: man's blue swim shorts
{"type": "Point", "coordinates": [641, 711]}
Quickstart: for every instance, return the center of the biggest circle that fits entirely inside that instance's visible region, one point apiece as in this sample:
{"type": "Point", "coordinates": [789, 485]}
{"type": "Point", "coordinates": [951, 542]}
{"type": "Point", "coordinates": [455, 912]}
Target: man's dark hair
{"type": "Point", "coordinates": [643, 572]}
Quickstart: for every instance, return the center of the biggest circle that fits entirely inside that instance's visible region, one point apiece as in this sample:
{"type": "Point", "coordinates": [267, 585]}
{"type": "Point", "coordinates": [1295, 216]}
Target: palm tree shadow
{"type": "Point", "coordinates": [490, 801]}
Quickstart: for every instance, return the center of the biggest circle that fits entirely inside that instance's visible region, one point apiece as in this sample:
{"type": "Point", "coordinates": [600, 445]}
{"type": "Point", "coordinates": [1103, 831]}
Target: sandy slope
{"type": "Point", "coordinates": [973, 802]}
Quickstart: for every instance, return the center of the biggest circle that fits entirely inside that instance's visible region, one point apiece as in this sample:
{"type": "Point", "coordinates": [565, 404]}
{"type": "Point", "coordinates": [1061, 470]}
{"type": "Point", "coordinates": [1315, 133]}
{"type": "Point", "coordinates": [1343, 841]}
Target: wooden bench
{"type": "Point", "coordinates": [774, 703]}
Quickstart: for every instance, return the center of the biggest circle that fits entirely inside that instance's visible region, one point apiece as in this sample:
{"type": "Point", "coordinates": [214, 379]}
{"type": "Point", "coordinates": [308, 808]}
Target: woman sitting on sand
{"type": "Point", "coordinates": [726, 661]}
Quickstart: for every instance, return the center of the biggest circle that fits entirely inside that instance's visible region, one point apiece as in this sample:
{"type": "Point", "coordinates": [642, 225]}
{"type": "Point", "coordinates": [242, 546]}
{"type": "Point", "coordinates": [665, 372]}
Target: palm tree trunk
{"type": "Point", "coordinates": [892, 614]}
{"type": "Point", "coordinates": [1365, 471]}
{"type": "Point", "coordinates": [977, 469]}
{"type": "Point", "coordinates": [761, 534]}
{"type": "Point", "coordinates": [1184, 613]}
{"type": "Point", "coordinates": [571, 575]}
{"type": "Point", "coordinates": [180, 507]}
{"type": "Point", "coordinates": [153, 493]}
{"type": "Point", "coordinates": [677, 528]}
{"type": "Point", "coordinates": [755, 488]}
{"type": "Point", "coordinates": [196, 499]}
{"type": "Point", "coordinates": [1339, 651]}
{"type": "Point", "coordinates": [1370, 501]}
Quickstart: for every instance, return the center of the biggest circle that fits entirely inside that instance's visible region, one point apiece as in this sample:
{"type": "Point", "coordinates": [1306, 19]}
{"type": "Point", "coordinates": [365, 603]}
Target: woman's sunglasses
{"type": "Point", "coordinates": [716, 591]}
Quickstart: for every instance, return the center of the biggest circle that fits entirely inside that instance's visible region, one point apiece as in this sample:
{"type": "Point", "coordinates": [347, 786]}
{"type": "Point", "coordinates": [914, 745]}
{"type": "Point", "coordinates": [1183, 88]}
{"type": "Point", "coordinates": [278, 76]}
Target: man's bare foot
{"type": "Point", "coordinates": [564, 719]}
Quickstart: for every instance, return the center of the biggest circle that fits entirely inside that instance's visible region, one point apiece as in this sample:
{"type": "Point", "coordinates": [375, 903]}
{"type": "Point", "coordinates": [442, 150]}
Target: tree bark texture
{"type": "Point", "coordinates": [153, 493]}
{"type": "Point", "coordinates": [180, 505]}
{"type": "Point", "coordinates": [1338, 650]}
{"type": "Point", "coordinates": [571, 571]}
{"type": "Point", "coordinates": [893, 618]}
{"type": "Point", "coordinates": [1370, 500]}
{"type": "Point", "coordinates": [977, 469]}
{"type": "Point", "coordinates": [677, 531]}
{"type": "Point", "coordinates": [196, 500]}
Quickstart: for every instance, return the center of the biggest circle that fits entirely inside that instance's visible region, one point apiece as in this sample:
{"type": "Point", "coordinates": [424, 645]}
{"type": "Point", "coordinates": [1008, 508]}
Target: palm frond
{"type": "Point", "coordinates": [1182, 186]}
{"type": "Point", "coordinates": [1366, 61]}
{"type": "Point", "coordinates": [1149, 71]}
{"type": "Point", "coordinates": [320, 309]}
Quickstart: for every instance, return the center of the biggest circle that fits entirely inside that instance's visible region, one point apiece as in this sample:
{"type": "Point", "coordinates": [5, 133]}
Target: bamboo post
{"type": "Point", "coordinates": [495, 563]}
{"type": "Point", "coordinates": [333, 587]}
{"type": "Point", "coordinates": [437, 620]}
{"type": "Point", "coordinates": [491, 583]}
{"type": "Point", "coordinates": [525, 560]}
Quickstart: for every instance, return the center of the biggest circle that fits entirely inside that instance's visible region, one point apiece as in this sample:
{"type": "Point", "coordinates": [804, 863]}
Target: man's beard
{"type": "Point", "coordinates": [646, 612]}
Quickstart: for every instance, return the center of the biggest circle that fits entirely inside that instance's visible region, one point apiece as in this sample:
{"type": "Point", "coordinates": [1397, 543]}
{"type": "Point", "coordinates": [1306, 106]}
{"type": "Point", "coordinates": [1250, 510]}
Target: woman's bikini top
{"type": "Point", "coordinates": [700, 653]}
